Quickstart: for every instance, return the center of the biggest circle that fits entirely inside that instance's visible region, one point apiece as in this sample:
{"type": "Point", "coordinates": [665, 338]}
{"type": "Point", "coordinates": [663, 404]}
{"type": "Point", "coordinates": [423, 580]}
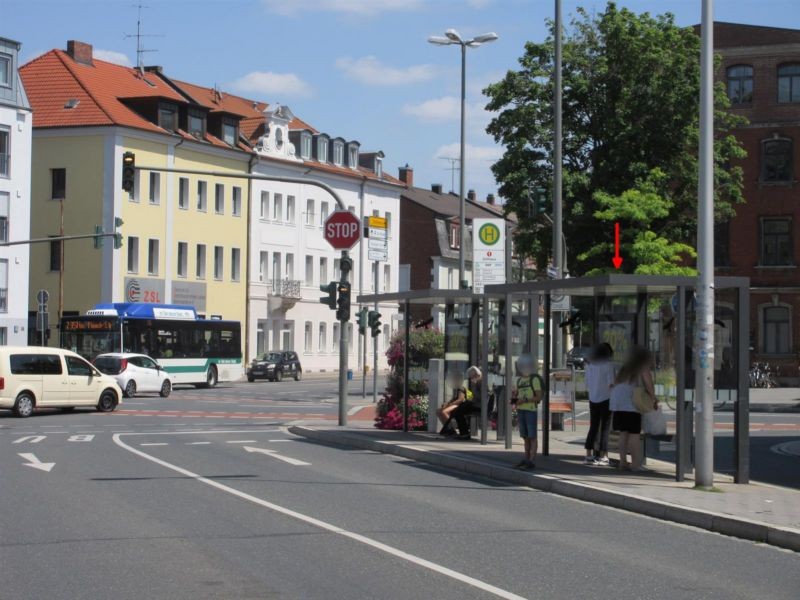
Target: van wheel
{"type": "Point", "coordinates": [298, 374]}
{"type": "Point", "coordinates": [251, 379]}
{"type": "Point", "coordinates": [130, 389]}
{"type": "Point", "coordinates": [108, 401]}
{"type": "Point", "coordinates": [166, 389]}
{"type": "Point", "coordinates": [278, 375]}
{"type": "Point", "coordinates": [211, 377]}
{"type": "Point", "coordinates": [23, 407]}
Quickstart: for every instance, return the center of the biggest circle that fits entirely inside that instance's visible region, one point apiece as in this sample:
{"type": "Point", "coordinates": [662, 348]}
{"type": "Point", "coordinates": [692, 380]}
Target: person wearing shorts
{"type": "Point", "coordinates": [635, 372]}
{"type": "Point", "coordinates": [526, 396]}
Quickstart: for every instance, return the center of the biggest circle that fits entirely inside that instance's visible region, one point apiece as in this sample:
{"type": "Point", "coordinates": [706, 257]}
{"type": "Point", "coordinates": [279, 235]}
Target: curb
{"type": "Point", "coordinates": [727, 525]}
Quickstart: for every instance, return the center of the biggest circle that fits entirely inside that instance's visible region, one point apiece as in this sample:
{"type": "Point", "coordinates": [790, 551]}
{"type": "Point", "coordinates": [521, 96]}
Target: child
{"type": "Point", "coordinates": [599, 381]}
{"type": "Point", "coordinates": [526, 396]}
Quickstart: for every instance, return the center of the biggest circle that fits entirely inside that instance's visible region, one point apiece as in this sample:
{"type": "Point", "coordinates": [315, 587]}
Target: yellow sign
{"type": "Point", "coordinates": [376, 222]}
{"type": "Point", "coordinates": [489, 234]}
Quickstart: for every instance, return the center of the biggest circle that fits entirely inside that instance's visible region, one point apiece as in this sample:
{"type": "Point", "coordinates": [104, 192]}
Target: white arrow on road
{"type": "Point", "coordinates": [35, 462]}
{"type": "Point", "coordinates": [274, 454]}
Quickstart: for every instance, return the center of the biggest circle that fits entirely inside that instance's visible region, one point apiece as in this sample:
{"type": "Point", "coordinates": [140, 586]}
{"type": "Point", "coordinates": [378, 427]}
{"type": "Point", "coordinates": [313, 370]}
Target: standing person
{"type": "Point", "coordinates": [599, 381]}
{"type": "Point", "coordinates": [526, 396]}
{"type": "Point", "coordinates": [635, 373]}
{"type": "Point", "coordinates": [471, 404]}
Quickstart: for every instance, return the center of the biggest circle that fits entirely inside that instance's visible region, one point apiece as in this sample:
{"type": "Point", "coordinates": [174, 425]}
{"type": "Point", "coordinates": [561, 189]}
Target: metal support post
{"type": "Point", "coordinates": [485, 369]}
{"type": "Point", "coordinates": [344, 267]}
{"type": "Point", "coordinates": [546, 377]}
{"type": "Point", "coordinates": [462, 224]}
{"type": "Point", "coordinates": [682, 432]}
{"type": "Point", "coordinates": [741, 409]}
{"type": "Point", "coordinates": [509, 350]}
{"type": "Point", "coordinates": [375, 346]}
{"type": "Point", "coordinates": [406, 346]}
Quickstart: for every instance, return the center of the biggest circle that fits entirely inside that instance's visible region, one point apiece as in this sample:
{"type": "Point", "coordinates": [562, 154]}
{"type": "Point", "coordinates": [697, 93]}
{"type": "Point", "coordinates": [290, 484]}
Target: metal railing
{"type": "Point", "coordinates": [286, 288]}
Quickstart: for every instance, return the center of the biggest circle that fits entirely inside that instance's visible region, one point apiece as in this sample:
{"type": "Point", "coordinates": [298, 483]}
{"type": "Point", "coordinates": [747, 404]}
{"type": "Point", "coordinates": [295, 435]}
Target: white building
{"type": "Point", "coordinates": [290, 259]}
{"type": "Point", "coordinates": [16, 125]}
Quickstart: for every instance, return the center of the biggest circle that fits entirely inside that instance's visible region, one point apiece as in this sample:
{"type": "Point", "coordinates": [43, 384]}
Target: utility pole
{"type": "Point", "coordinates": [558, 258]}
{"type": "Point", "coordinates": [704, 327]}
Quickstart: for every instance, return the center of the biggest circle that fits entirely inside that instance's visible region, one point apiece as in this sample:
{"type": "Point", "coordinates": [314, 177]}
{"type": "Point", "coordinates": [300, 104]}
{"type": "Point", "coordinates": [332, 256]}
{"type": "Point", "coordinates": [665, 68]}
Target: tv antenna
{"type": "Point", "coordinates": [452, 168]}
{"type": "Point", "coordinates": [139, 35]}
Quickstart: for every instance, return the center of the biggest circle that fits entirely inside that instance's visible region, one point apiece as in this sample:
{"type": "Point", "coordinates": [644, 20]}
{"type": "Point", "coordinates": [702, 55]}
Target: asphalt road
{"type": "Point", "coordinates": [220, 506]}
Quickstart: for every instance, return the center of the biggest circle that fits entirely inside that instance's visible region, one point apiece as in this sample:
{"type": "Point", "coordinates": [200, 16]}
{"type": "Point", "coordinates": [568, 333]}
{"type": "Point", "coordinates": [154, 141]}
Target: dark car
{"type": "Point", "coordinates": [275, 366]}
{"type": "Point", "coordinates": [577, 357]}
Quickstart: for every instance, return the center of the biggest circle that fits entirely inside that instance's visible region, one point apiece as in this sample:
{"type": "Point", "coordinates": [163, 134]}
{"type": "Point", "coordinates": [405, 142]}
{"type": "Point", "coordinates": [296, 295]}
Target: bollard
{"type": "Point", "coordinates": [349, 374]}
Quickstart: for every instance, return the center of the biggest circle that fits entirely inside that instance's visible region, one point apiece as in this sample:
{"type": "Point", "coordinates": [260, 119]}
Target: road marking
{"type": "Point", "coordinates": [36, 463]}
{"type": "Point", "coordinates": [33, 439]}
{"type": "Point", "coordinates": [274, 454]}
{"type": "Point", "coordinates": [241, 442]}
{"type": "Point", "coordinates": [787, 448]}
{"type": "Point", "coordinates": [281, 440]}
{"type": "Point", "coordinates": [197, 443]}
{"type": "Point", "coordinates": [155, 443]}
{"type": "Point", "coordinates": [80, 438]}
{"type": "Point", "coordinates": [412, 558]}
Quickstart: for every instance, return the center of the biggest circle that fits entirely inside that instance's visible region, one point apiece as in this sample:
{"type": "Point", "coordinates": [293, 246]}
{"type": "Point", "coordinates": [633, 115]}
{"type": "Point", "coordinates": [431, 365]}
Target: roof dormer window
{"type": "Point", "coordinates": [338, 153]}
{"type": "Point", "coordinates": [168, 116]}
{"type": "Point", "coordinates": [305, 145]}
{"type": "Point", "coordinates": [197, 123]}
{"type": "Point", "coordinates": [378, 167]}
{"type": "Point", "coordinates": [230, 132]}
{"type": "Point", "coordinates": [322, 149]}
{"type": "Point", "coordinates": [352, 155]}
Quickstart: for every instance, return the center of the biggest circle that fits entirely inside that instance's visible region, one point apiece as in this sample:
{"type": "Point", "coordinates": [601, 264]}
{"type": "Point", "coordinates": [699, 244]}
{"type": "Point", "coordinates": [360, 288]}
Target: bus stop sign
{"type": "Point", "coordinates": [342, 230]}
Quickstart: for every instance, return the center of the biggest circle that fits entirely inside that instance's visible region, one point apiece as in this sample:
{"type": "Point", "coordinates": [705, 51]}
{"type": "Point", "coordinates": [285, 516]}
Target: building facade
{"type": "Point", "coordinates": [761, 71]}
{"type": "Point", "coordinates": [15, 193]}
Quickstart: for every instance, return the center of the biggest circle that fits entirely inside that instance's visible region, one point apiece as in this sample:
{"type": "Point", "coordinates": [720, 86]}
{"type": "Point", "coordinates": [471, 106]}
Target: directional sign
{"type": "Point", "coordinates": [378, 248]}
{"type": "Point", "coordinates": [342, 230]}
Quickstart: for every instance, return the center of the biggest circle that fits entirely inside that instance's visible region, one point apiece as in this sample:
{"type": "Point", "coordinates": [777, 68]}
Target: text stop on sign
{"type": "Point", "coordinates": [342, 230]}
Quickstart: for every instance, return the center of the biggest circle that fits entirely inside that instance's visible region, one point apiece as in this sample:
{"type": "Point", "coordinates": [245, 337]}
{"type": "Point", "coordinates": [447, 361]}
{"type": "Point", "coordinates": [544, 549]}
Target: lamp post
{"type": "Point", "coordinates": [452, 37]}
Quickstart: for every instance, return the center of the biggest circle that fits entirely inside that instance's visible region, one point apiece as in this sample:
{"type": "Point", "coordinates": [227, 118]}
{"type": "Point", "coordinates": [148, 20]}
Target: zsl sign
{"type": "Point", "coordinates": [342, 230]}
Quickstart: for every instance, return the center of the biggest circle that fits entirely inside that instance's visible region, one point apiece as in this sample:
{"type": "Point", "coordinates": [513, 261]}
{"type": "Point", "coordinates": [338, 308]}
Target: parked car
{"type": "Point", "coordinates": [37, 377]}
{"type": "Point", "coordinates": [578, 356]}
{"type": "Point", "coordinates": [135, 373]}
{"type": "Point", "coordinates": [275, 366]}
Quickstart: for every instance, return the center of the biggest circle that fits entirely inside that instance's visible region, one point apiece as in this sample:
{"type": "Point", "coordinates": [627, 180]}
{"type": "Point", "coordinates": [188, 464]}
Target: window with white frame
{"type": "Point", "coordinates": [310, 211]}
{"type": "Point", "coordinates": [387, 278]}
{"type": "Point", "coordinates": [776, 327]}
{"type": "Point", "coordinates": [338, 153]}
{"type": "Point", "coordinates": [200, 261]}
{"type": "Point", "coordinates": [218, 265]}
{"type": "Point", "coordinates": [309, 270]}
{"type": "Point", "coordinates": [336, 271]}
{"type": "Point", "coordinates": [236, 201]}
{"type": "Point", "coordinates": [308, 346]}
{"type": "Point", "coordinates": [5, 152]}
{"type": "Point", "coordinates": [3, 286]}
{"type": "Point", "coordinates": [219, 199]}
{"type": "Point", "coordinates": [264, 213]}
{"type": "Point", "coordinates": [5, 70]}
{"type": "Point", "coordinates": [289, 273]}
{"type": "Point", "coordinates": [353, 157]}
{"type": "Point", "coordinates": [323, 330]}
{"type": "Point", "coordinates": [305, 145]}
{"type": "Point", "coordinates": [322, 149]}
{"type": "Point", "coordinates": [323, 270]}
{"type": "Point", "coordinates": [4, 216]}
{"type": "Point", "coordinates": [3, 336]}
{"type": "Point", "coordinates": [236, 262]}
{"type": "Point", "coordinates": [290, 209]}
{"type": "Point", "coordinates": [155, 188]}
{"type": "Point", "coordinates": [133, 254]}
{"type": "Point", "coordinates": [378, 167]}
{"type": "Point", "coordinates": [335, 337]}
{"type": "Point", "coordinates": [152, 257]}
{"type": "Point", "coordinates": [263, 263]}
{"type": "Point", "coordinates": [183, 193]}
{"type": "Point", "coordinates": [323, 213]}
{"type": "Point", "coordinates": [277, 207]}
{"type": "Point", "coordinates": [183, 258]}
{"type": "Point", "coordinates": [276, 266]}
{"type": "Point", "coordinates": [202, 196]}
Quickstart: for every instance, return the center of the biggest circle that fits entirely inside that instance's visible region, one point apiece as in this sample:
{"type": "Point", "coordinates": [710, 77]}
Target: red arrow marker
{"type": "Point", "coordinates": [617, 260]}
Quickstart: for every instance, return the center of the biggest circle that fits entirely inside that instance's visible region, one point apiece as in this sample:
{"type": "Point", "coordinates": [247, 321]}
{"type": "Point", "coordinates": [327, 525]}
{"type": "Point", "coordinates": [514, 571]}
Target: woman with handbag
{"type": "Point", "coordinates": [632, 394]}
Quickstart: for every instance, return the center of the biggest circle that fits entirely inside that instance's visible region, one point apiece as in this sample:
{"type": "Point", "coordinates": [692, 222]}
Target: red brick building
{"type": "Point", "coordinates": [761, 70]}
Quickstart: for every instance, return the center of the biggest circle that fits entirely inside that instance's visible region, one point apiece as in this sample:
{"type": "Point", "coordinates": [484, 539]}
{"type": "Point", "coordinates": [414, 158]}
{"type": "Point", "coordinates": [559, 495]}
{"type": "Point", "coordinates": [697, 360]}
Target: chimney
{"type": "Point", "coordinates": [407, 175]}
{"type": "Point", "coordinates": [80, 52]}
{"type": "Point", "coordinates": [471, 195]}
{"type": "Point", "coordinates": [490, 199]}
{"type": "Point", "coordinates": [436, 188]}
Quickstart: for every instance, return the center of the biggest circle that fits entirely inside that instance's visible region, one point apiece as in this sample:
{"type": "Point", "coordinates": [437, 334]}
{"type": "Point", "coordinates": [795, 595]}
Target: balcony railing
{"type": "Point", "coordinates": [3, 300]}
{"type": "Point", "coordinates": [5, 164]}
{"type": "Point", "coordinates": [286, 288]}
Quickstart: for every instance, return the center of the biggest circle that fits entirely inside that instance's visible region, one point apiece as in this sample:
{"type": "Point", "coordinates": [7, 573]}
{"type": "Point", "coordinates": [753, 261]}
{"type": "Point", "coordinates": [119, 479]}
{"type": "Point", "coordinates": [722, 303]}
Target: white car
{"type": "Point", "coordinates": [135, 373]}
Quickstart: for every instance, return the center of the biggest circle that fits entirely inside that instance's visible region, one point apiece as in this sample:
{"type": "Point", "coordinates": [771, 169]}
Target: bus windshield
{"type": "Point", "coordinates": [90, 336]}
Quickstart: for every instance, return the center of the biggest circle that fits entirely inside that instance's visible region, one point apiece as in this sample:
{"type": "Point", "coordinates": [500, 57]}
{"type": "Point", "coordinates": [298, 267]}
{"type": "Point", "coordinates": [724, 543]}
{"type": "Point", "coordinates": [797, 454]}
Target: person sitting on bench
{"type": "Point", "coordinates": [471, 405]}
{"type": "Point", "coordinates": [445, 413]}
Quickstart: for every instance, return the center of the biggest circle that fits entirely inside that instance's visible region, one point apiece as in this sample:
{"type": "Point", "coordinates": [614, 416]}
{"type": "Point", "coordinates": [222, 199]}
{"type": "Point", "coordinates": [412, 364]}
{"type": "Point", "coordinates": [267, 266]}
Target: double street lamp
{"type": "Point", "coordinates": [451, 38]}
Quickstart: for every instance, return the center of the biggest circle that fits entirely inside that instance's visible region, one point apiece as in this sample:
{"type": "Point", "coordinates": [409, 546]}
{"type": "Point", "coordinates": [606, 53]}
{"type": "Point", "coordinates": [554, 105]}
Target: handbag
{"type": "Point", "coordinates": [654, 423]}
{"type": "Point", "coordinates": [642, 402]}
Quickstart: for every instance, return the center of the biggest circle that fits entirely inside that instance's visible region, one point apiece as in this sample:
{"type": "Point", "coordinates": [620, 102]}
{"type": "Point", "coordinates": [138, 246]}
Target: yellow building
{"type": "Point", "coordinates": [184, 235]}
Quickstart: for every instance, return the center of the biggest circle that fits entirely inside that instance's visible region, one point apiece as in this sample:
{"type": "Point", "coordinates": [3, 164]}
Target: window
{"type": "Point", "coordinates": [450, 284]}
{"type": "Point", "coordinates": [200, 262]}
{"type": "Point", "coordinates": [776, 330]}
{"type": "Point", "coordinates": [183, 258]}
{"type": "Point", "coordinates": [183, 193]}
{"type": "Point", "coordinates": [218, 257]}
{"type": "Point", "coordinates": [290, 209]}
{"type": "Point", "coordinates": [230, 133]}
{"type": "Point", "coordinates": [740, 84]}
{"type": "Point", "coordinates": [323, 331]}
{"type": "Point", "coordinates": [276, 266]}
{"type": "Point", "coordinates": [323, 271]}
{"type": "Point", "coordinates": [5, 155]}
{"type": "Point", "coordinates": [378, 167]}
{"type": "Point", "coordinates": [152, 257]}
{"type": "Point", "coordinates": [5, 70]}
{"type": "Point", "coordinates": [455, 235]}
{"type": "Point", "coordinates": [219, 199]}
{"type": "Point", "coordinates": [155, 188]}
{"type": "Point", "coordinates": [56, 247]}
{"type": "Point", "coordinates": [3, 285]}
{"type": "Point", "coordinates": [388, 217]}
{"type": "Point", "coordinates": [308, 337]}
{"type": "Point", "coordinates": [386, 336]}
{"type": "Point", "coordinates": [323, 213]}
{"type": "Point", "coordinates": [776, 160]}
{"type": "Point", "coordinates": [58, 179]}
{"type": "Point", "coordinates": [263, 261]}
{"type": "Point", "coordinates": [4, 202]}
{"type": "Point", "coordinates": [387, 278]}
{"type": "Point", "coordinates": [289, 266]}
{"type": "Point", "coordinates": [310, 212]}
{"type": "Point", "coordinates": [264, 214]}
{"type": "Point", "coordinates": [776, 242]}
{"type": "Point", "coordinates": [309, 270]}
{"type": "Point", "coordinates": [353, 157]}
{"type": "Point", "coordinates": [336, 334]}
{"type": "Point", "coordinates": [236, 259]}
{"type": "Point", "coordinates": [336, 272]}
{"type": "Point", "coordinates": [722, 244]}
{"type": "Point", "coordinates": [277, 207]}
{"type": "Point", "coordinates": [322, 149]}
{"type": "Point", "coordinates": [167, 116]}
{"type": "Point", "coordinates": [3, 336]}
{"type": "Point", "coordinates": [305, 145]}
{"type": "Point", "coordinates": [338, 153]}
{"type": "Point", "coordinates": [237, 201]}
{"type": "Point", "coordinates": [133, 254]}
{"type": "Point", "coordinates": [197, 123]}
{"type": "Point", "coordinates": [789, 83]}
{"type": "Point", "coordinates": [202, 196]}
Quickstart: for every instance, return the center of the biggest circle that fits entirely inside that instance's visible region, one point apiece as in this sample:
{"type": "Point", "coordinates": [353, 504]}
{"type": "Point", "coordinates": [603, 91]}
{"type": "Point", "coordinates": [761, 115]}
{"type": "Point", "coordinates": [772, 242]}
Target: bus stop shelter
{"type": "Point", "coordinates": [656, 312]}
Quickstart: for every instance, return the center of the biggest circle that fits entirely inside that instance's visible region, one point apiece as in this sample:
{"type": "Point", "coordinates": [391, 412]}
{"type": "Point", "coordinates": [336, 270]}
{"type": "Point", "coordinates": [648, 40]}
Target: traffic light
{"type": "Point", "coordinates": [541, 203]}
{"type": "Point", "coordinates": [98, 236]}
{"type": "Point", "coordinates": [128, 171]}
{"type": "Point", "coordinates": [330, 299]}
{"type": "Point", "coordinates": [343, 313]}
{"type": "Point", "coordinates": [362, 321]}
{"type": "Point", "coordinates": [374, 319]}
{"type": "Point", "coordinates": [117, 235]}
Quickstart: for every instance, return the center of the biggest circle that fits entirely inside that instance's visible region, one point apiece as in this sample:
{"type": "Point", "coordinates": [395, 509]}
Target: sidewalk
{"type": "Point", "coordinates": [757, 512]}
{"type": "Point", "coordinates": [781, 400]}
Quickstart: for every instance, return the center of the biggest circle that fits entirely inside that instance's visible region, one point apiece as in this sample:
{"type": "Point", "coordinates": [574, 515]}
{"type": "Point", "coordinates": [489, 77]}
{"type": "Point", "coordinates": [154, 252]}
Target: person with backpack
{"type": "Point", "coordinates": [526, 395]}
{"type": "Point", "coordinates": [599, 381]}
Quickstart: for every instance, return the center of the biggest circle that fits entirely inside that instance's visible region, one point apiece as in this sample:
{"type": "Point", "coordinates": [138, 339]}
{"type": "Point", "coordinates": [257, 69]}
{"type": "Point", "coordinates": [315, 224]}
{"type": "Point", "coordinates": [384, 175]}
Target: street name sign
{"type": "Point", "coordinates": [342, 230]}
{"type": "Point", "coordinates": [488, 253]}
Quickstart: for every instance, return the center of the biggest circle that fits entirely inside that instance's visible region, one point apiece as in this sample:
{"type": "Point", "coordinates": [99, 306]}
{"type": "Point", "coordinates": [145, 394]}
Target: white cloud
{"type": "Point", "coordinates": [347, 7]}
{"type": "Point", "coordinates": [112, 56]}
{"type": "Point", "coordinates": [370, 71]}
{"type": "Point", "coordinates": [448, 109]}
{"type": "Point", "coordinates": [277, 85]}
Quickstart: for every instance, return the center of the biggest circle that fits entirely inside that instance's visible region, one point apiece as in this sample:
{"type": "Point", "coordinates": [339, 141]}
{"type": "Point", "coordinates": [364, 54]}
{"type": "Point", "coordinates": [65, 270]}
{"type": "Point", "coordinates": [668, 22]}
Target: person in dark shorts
{"type": "Point", "coordinates": [627, 420]}
{"type": "Point", "coordinates": [471, 405]}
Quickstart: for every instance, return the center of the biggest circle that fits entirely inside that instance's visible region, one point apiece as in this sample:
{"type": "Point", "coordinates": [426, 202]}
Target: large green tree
{"type": "Point", "coordinates": [631, 86]}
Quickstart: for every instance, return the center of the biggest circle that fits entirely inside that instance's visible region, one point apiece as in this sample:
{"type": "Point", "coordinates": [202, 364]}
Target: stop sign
{"type": "Point", "coordinates": [342, 230]}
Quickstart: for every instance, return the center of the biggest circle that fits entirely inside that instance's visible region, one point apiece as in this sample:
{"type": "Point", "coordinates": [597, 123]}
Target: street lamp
{"type": "Point", "coordinates": [452, 37]}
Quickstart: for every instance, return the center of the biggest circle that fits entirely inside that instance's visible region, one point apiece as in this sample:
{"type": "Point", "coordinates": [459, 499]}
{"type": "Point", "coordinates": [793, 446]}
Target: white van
{"type": "Point", "coordinates": [33, 377]}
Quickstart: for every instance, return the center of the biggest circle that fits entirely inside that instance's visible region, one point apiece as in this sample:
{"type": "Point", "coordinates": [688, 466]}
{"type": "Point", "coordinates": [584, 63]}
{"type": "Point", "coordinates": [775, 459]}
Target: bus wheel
{"type": "Point", "coordinates": [211, 377]}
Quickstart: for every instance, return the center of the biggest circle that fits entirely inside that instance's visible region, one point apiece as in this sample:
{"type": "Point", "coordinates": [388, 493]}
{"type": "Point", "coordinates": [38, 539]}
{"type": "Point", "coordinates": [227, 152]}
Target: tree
{"type": "Point", "coordinates": [630, 120]}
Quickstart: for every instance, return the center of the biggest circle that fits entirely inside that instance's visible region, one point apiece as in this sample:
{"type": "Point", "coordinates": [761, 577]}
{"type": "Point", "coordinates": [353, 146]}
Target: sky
{"type": "Point", "coordinates": [359, 69]}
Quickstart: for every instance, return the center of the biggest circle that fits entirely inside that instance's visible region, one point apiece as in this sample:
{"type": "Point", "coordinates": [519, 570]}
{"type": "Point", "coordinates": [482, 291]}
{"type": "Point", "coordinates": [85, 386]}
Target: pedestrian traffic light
{"type": "Point", "coordinates": [128, 171]}
{"type": "Point", "coordinates": [362, 321]}
{"type": "Point", "coordinates": [98, 236]}
{"type": "Point", "coordinates": [374, 319]}
{"type": "Point", "coordinates": [117, 235]}
{"type": "Point", "coordinates": [330, 299]}
{"type": "Point", "coordinates": [343, 313]}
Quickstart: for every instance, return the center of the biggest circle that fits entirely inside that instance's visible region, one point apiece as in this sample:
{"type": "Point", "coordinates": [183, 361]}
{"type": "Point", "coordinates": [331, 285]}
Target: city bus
{"type": "Point", "coordinates": [191, 349]}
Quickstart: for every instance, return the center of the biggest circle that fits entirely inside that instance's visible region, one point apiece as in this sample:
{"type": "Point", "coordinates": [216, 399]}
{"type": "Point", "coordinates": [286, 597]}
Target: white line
{"type": "Point", "coordinates": [197, 443]}
{"type": "Point", "coordinates": [281, 440]}
{"type": "Point", "coordinates": [241, 442]}
{"type": "Point", "coordinates": [460, 577]}
{"type": "Point", "coordinates": [155, 444]}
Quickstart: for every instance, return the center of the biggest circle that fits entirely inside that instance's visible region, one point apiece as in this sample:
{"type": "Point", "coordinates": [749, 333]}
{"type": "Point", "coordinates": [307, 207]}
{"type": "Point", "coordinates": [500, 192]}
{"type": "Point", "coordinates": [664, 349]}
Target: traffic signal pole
{"type": "Point", "coordinates": [344, 266]}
